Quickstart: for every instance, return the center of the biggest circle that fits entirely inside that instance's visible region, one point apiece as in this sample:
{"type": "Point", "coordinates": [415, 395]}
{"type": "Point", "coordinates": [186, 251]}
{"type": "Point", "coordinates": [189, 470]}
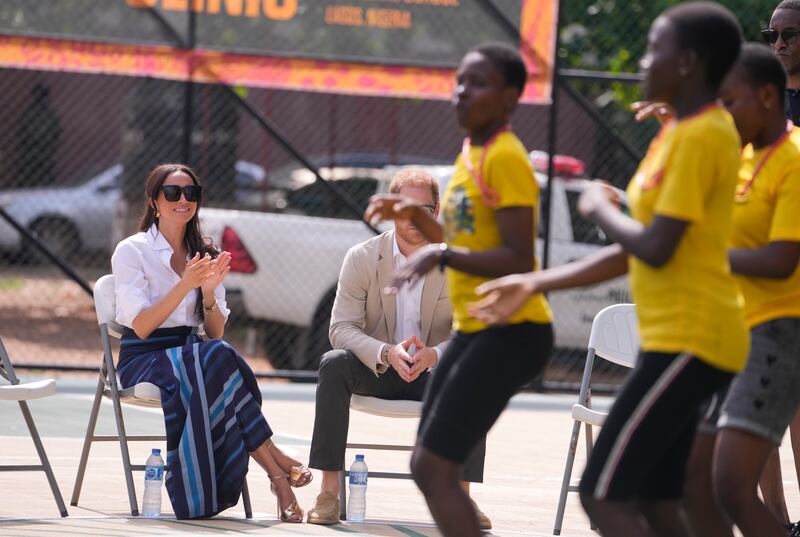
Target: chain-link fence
{"type": "Point", "coordinates": [76, 144]}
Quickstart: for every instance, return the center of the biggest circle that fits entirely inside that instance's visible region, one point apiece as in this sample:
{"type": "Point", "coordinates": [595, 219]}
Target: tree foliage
{"type": "Point", "coordinates": [611, 35]}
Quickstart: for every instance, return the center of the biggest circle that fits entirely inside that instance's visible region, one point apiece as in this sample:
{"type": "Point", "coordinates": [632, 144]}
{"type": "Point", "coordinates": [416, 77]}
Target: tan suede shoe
{"type": "Point", "coordinates": [483, 520]}
{"type": "Point", "coordinates": [326, 510]}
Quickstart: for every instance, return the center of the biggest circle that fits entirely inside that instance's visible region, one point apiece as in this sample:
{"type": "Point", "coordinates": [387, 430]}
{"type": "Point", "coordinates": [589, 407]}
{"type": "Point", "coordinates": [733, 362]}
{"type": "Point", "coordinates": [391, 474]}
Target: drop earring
{"type": "Point", "coordinates": [158, 214]}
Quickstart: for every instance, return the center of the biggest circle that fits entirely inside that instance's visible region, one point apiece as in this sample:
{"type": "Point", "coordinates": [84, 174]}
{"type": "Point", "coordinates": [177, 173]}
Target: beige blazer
{"type": "Point", "coordinates": [363, 317]}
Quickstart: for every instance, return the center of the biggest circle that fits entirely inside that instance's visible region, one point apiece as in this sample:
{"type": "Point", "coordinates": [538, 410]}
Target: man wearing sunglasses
{"type": "Point", "coordinates": [384, 345]}
{"type": "Point", "coordinates": [783, 36]}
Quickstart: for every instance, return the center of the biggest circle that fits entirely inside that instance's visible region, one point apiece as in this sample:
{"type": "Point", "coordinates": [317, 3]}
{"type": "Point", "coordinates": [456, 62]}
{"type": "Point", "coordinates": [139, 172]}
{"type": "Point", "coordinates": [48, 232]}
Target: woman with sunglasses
{"type": "Point", "coordinates": [168, 281]}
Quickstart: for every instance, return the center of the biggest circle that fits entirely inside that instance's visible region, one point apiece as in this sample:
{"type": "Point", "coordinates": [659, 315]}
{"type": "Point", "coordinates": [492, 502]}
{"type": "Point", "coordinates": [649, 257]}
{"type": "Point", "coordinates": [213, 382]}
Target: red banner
{"type": "Point", "coordinates": [537, 27]}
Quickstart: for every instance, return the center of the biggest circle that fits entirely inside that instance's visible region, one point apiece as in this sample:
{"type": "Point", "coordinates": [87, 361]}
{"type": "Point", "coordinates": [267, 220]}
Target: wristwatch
{"type": "Point", "coordinates": [446, 255]}
{"type": "Point", "coordinates": [385, 355]}
{"type": "Point", "coordinates": [211, 309]}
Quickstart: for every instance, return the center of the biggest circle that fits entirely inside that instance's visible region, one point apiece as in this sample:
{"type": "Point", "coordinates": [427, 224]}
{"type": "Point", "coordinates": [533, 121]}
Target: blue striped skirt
{"type": "Point", "coordinates": [212, 414]}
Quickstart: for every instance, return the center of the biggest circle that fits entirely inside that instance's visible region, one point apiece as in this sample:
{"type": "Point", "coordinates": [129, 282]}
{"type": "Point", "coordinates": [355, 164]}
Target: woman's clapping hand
{"type": "Point", "coordinates": [220, 269]}
{"type": "Point", "coordinates": [206, 272]}
{"type": "Point", "coordinates": [198, 270]}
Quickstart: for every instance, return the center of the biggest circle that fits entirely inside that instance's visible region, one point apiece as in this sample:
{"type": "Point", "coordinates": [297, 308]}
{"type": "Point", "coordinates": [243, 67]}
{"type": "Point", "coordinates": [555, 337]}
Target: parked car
{"type": "Point", "coordinates": [285, 266]}
{"type": "Point", "coordinates": [285, 177]}
{"type": "Point", "coordinates": [74, 219]}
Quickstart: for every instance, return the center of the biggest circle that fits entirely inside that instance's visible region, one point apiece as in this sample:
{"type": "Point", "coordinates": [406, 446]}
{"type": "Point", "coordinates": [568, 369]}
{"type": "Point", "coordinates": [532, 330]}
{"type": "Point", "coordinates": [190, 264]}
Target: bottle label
{"type": "Point", "coordinates": [358, 478]}
{"type": "Point", "coordinates": [154, 473]}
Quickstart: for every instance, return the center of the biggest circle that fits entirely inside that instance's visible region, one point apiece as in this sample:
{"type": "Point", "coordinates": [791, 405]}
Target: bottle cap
{"type": "Point", "coordinates": [359, 457]}
{"type": "Point", "coordinates": [156, 451]}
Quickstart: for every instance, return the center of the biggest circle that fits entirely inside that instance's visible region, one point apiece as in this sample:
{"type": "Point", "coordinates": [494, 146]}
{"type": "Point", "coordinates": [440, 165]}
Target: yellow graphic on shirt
{"type": "Point", "coordinates": [471, 224]}
{"type": "Point", "coordinates": [459, 215]}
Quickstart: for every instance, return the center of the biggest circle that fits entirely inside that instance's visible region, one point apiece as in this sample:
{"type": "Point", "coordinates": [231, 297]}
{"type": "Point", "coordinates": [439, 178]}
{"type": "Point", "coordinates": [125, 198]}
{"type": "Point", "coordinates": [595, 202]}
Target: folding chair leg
{"type": "Point", "coordinates": [589, 447]}
{"type": "Point", "coordinates": [248, 509]}
{"type": "Point", "coordinates": [562, 497]}
{"type": "Point", "coordinates": [108, 369]}
{"type": "Point", "coordinates": [589, 440]}
{"type": "Point", "coordinates": [343, 494]}
{"type": "Point", "coordinates": [48, 470]}
{"type": "Point", "coordinates": [87, 443]}
{"type": "Point", "coordinates": [126, 458]}
{"type": "Point", "coordinates": [589, 433]}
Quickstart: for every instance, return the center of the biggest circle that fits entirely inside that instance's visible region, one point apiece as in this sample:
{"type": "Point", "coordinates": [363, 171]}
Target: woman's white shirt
{"type": "Point", "coordinates": [143, 276]}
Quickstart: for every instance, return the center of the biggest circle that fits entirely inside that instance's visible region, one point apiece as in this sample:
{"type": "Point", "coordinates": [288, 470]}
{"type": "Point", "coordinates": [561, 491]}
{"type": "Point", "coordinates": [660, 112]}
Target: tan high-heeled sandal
{"type": "Point", "coordinates": [300, 476]}
{"type": "Point", "coordinates": [293, 513]}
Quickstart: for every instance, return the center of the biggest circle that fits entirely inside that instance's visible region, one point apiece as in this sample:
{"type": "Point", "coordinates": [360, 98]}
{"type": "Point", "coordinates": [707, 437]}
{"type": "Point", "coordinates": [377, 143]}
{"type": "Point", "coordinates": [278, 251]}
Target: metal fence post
{"type": "Point", "coordinates": [552, 129]}
{"type": "Point", "coordinates": [188, 96]}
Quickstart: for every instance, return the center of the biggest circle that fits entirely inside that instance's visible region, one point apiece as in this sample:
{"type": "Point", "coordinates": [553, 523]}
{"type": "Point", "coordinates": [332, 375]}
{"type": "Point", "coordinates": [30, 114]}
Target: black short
{"type": "Point", "coordinates": [642, 449]}
{"type": "Point", "coordinates": [477, 375]}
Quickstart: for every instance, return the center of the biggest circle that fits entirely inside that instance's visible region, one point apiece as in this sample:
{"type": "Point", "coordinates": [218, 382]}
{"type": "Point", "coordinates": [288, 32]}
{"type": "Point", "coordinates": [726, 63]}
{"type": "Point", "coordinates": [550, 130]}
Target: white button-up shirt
{"type": "Point", "coordinates": [408, 303]}
{"type": "Point", "coordinates": [408, 306]}
{"type": "Point", "coordinates": [143, 277]}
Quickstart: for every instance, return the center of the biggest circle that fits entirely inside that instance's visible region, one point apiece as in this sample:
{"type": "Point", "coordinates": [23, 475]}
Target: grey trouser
{"type": "Point", "coordinates": [341, 374]}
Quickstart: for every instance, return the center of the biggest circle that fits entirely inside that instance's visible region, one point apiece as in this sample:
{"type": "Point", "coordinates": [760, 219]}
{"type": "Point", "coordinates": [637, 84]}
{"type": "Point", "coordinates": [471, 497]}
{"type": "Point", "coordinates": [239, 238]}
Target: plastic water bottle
{"type": "Point", "coordinates": [153, 479]}
{"type": "Point", "coordinates": [357, 500]}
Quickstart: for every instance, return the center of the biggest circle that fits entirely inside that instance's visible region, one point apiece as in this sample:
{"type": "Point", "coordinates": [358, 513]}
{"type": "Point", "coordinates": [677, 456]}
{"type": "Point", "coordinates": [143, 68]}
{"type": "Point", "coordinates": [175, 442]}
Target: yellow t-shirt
{"type": "Point", "coordinates": [470, 223]}
{"type": "Point", "coordinates": [765, 211]}
{"type": "Point", "coordinates": [691, 303]}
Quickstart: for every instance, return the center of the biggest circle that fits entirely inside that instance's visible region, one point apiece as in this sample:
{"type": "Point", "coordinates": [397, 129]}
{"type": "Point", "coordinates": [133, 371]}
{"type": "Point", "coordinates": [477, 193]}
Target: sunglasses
{"type": "Point", "coordinates": [771, 35]}
{"type": "Point", "coordinates": [190, 192]}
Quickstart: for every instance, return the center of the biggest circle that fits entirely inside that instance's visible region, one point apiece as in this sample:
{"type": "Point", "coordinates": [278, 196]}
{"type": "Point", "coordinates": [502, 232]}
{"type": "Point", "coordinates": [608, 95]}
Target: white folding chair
{"type": "Point", "coordinates": [143, 394]}
{"type": "Point", "coordinates": [22, 392]}
{"type": "Point", "coordinates": [398, 408]}
{"type": "Point", "coordinates": [614, 337]}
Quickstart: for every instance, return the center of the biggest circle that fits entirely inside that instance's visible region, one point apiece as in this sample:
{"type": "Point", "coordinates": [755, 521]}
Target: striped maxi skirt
{"type": "Point", "coordinates": [212, 414]}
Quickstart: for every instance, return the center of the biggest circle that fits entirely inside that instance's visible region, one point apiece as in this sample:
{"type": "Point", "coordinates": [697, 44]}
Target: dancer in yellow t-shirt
{"type": "Point", "coordinates": [490, 212]}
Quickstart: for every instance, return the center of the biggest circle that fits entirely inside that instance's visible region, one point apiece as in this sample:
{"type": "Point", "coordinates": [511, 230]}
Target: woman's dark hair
{"type": "Point", "coordinates": [712, 32]}
{"type": "Point", "coordinates": [759, 66]}
{"type": "Point", "coordinates": [508, 60]}
{"type": "Point", "coordinates": [195, 241]}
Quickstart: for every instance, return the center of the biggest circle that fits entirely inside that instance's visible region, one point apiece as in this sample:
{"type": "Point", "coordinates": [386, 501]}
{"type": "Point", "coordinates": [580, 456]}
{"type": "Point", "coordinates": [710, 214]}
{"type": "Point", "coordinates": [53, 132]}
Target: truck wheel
{"type": "Point", "coordinates": [280, 342]}
{"type": "Point", "coordinates": [315, 341]}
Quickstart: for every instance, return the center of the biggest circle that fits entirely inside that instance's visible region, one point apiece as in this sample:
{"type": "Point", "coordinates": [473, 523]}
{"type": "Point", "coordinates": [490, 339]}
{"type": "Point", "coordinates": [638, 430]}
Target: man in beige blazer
{"type": "Point", "coordinates": [385, 345]}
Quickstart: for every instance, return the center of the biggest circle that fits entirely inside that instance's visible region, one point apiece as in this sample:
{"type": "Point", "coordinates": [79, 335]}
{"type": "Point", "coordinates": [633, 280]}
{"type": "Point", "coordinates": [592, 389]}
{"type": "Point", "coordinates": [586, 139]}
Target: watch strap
{"type": "Point", "coordinates": [446, 255]}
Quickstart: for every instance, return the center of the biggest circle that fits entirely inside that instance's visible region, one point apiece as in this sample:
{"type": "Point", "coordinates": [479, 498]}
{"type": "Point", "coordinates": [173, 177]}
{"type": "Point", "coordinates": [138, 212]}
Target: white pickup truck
{"type": "Point", "coordinates": [286, 264]}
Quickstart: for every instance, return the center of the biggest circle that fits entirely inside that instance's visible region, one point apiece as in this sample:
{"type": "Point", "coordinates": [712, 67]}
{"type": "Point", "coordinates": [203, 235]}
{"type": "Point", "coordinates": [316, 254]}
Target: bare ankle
{"type": "Point", "coordinates": [330, 482]}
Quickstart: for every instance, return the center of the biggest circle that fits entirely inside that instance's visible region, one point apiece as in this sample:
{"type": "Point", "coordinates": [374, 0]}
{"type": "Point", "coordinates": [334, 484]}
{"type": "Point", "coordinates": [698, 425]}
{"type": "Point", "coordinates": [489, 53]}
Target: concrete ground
{"type": "Point", "coordinates": [524, 468]}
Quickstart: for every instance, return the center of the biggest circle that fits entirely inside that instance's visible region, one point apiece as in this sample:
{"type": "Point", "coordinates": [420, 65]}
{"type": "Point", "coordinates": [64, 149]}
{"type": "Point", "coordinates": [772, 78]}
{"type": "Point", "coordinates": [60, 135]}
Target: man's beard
{"type": "Point", "coordinates": [414, 238]}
